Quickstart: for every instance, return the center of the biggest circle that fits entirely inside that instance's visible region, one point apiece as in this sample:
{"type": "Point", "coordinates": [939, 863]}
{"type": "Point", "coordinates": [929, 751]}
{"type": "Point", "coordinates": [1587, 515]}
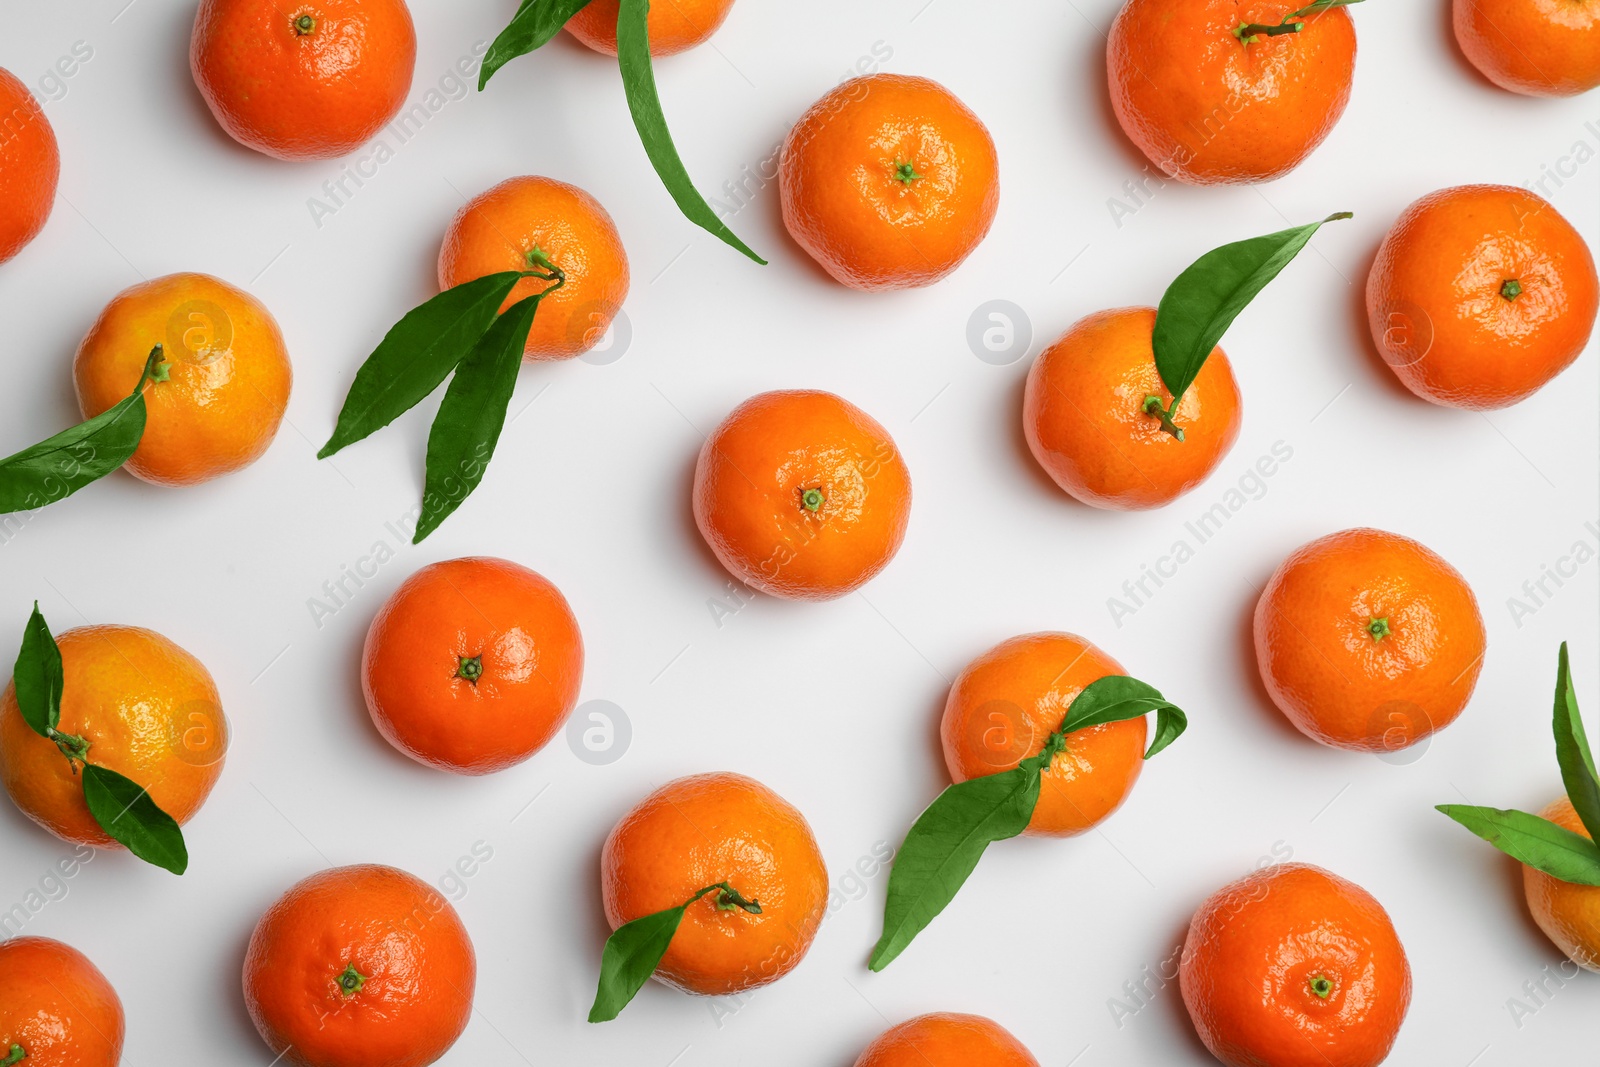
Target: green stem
{"type": "Point", "coordinates": [811, 499]}
{"type": "Point", "coordinates": [1254, 31]}
{"type": "Point", "coordinates": [1321, 986]}
{"type": "Point", "coordinates": [16, 1055]}
{"type": "Point", "coordinates": [351, 980]}
{"type": "Point", "coordinates": [470, 668]}
{"type": "Point", "coordinates": [1511, 288]}
{"type": "Point", "coordinates": [536, 257]}
{"type": "Point", "coordinates": [905, 173]}
{"type": "Point", "coordinates": [156, 369]}
{"type": "Point", "coordinates": [1152, 406]}
{"type": "Point", "coordinates": [304, 25]}
{"type": "Point", "coordinates": [75, 748]}
{"type": "Point", "coordinates": [1378, 628]}
{"type": "Point", "coordinates": [728, 898]}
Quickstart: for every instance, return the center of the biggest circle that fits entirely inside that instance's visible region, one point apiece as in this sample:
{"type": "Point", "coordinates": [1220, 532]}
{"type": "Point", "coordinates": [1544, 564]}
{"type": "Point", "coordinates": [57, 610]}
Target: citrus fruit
{"type": "Point", "coordinates": [1008, 701]}
{"type": "Point", "coordinates": [947, 1039]}
{"type": "Point", "coordinates": [1292, 966]}
{"type": "Point", "coordinates": [889, 182]}
{"type": "Point", "coordinates": [1480, 295]}
{"type": "Point", "coordinates": [472, 665]}
{"type": "Point", "coordinates": [1569, 914]}
{"type": "Point", "coordinates": [30, 165]}
{"type": "Point", "coordinates": [1209, 103]}
{"type": "Point", "coordinates": [144, 707]}
{"type": "Point", "coordinates": [1533, 47]}
{"type": "Point", "coordinates": [229, 375]}
{"type": "Point", "coordinates": [56, 1008]}
{"type": "Point", "coordinates": [1084, 415]}
{"type": "Point", "coordinates": [363, 966]}
{"type": "Point", "coordinates": [511, 226]}
{"type": "Point", "coordinates": [1368, 640]}
{"type": "Point", "coordinates": [303, 80]}
{"type": "Point", "coordinates": [801, 494]}
{"type": "Point", "coordinates": [708, 829]}
{"type": "Point", "coordinates": [673, 27]}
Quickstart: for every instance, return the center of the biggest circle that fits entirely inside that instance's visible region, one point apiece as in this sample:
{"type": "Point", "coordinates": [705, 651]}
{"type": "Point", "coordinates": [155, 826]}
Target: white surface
{"type": "Point", "coordinates": [834, 705]}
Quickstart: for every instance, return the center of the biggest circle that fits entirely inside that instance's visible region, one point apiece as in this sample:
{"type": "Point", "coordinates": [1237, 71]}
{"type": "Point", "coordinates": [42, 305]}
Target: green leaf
{"type": "Point", "coordinates": [1200, 305]}
{"type": "Point", "coordinates": [1537, 842]}
{"type": "Point", "coordinates": [472, 415]}
{"type": "Point", "coordinates": [125, 811]}
{"type": "Point", "coordinates": [945, 844]}
{"type": "Point", "coordinates": [630, 957]}
{"type": "Point", "coordinates": [37, 677]}
{"type": "Point", "coordinates": [1316, 7]}
{"type": "Point", "coordinates": [639, 82]}
{"type": "Point", "coordinates": [59, 466]}
{"type": "Point", "coordinates": [416, 355]}
{"type": "Point", "coordinates": [1572, 751]}
{"type": "Point", "coordinates": [535, 22]}
{"type": "Point", "coordinates": [1117, 697]}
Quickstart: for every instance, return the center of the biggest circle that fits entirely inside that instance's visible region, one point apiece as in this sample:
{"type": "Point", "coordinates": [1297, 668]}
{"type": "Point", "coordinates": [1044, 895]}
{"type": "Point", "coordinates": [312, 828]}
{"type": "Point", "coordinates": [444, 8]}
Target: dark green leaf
{"type": "Point", "coordinates": [631, 956]}
{"type": "Point", "coordinates": [472, 415]}
{"type": "Point", "coordinates": [125, 811]}
{"type": "Point", "coordinates": [1117, 697]}
{"type": "Point", "coordinates": [416, 355]}
{"type": "Point", "coordinates": [1317, 7]}
{"type": "Point", "coordinates": [639, 82]}
{"type": "Point", "coordinates": [535, 22]}
{"type": "Point", "coordinates": [56, 468]}
{"type": "Point", "coordinates": [1200, 305]}
{"type": "Point", "coordinates": [945, 844]}
{"type": "Point", "coordinates": [1572, 751]}
{"type": "Point", "coordinates": [1536, 842]}
{"type": "Point", "coordinates": [37, 676]}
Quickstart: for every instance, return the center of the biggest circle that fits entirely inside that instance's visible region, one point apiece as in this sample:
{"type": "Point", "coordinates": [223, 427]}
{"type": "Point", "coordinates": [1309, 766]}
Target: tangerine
{"type": "Point", "coordinates": [363, 966]}
{"type": "Point", "coordinates": [1087, 420]}
{"type": "Point", "coordinates": [525, 222]}
{"type": "Point", "coordinates": [1293, 966]}
{"type": "Point", "coordinates": [889, 182]}
{"type": "Point", "coordinates": [947, 1039]}
{"type": "Point", "coordinates": [1480, 295]}
{"type": "Point", "coordinates": [141, 706]}
{"type": "Point", "coordinates": [228, 375]}
{"type": "Point", "coordinates": [30, 166]}
{"type": "Point", "coordinates": [311, 79]}
{"type": "Point", "coordinates": [705, 830]}
{"type": "Point", "coordinates": [1006, 703]}
{"type": "Point", "coordinates": [472, 665]}
{"type": "Point", "coordinates": [56, 1008]}
{"type": "Point", "coordinates": [1224, 91]}
{"type": "Point", "coordinates": [801, 494]}
{"type": "Point", "coordinates": [1368, 640]}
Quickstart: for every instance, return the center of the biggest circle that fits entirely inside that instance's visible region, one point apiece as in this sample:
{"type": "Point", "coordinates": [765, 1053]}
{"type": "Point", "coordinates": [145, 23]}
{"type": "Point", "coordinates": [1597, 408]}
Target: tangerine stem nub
{"type": "Point", "coordinates": [1321, 986]}
{"type": "Point", "coordinates": [811, 499]}
{"type": "Point", "coordinates": [1378, 628]}
{"type": "Point", "coordinates": [470, 668]}
{"type": "Point", "coordinates": [75, 748]}
{"type": "Point", "coordinates": [304, 25]}
{"type": "Point", "coordinates": [15, 1055]}
{"type": "Point", "coordinates": [1153, 406]}
{"type": "Point", "coordinates": [730, 899]}
{"type": "Point", "coordinates": [351, 980]}
{"type": "Point", "coordinates": [905, 173]}
{"type": "Point", "coordinates": [1511, 288]}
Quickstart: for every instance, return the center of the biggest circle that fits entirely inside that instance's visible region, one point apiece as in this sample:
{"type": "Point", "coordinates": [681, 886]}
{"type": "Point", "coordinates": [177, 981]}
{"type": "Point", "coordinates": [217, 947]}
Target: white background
{"type": "Point", "coordinates": [834, 705]}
